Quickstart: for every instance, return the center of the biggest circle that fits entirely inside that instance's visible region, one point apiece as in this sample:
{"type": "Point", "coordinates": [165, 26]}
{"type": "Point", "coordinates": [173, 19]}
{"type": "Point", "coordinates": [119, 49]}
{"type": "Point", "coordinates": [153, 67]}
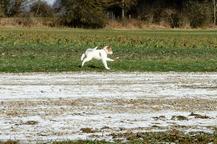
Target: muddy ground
{"type": "Point", "coordinates": [41, 107]}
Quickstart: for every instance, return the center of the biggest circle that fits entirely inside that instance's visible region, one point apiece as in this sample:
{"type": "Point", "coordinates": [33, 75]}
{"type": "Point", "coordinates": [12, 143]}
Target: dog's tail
{"type": "Point", "coordinates": [83, 56]}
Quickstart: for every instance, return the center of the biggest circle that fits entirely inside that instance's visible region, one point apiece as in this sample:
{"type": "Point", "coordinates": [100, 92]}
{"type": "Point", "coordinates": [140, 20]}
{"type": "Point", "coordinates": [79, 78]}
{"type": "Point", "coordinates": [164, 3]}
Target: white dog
{"type": "Point", "coordinates": [98, 54]}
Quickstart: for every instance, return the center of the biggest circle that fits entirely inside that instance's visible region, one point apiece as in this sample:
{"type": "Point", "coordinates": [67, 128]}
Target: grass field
{"type": "Point", "coordinates": [51, 50]}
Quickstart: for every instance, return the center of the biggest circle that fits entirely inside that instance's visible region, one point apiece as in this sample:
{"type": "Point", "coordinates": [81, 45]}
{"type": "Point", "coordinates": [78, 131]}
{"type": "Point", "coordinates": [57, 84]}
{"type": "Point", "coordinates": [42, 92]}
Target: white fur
{"type": "Point", "coordinates": [98, 54]}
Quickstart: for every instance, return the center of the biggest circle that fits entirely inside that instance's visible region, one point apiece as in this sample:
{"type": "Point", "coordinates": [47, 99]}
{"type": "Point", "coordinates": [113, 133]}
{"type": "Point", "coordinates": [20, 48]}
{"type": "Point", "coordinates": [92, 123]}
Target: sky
{"type": "Point", "coordinates": [50, 1]}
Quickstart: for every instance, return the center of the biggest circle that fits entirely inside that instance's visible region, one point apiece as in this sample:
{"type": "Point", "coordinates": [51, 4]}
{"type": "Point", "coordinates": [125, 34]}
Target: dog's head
{"type": "Point", "coordinates": [108, 50]}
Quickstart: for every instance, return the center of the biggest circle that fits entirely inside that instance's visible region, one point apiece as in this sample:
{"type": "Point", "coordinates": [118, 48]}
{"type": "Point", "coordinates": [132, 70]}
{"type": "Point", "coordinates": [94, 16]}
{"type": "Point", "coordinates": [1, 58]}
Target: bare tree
{"type": "Point", "coordinates": [123, 4]}
{"type": "Point", "coordinates": [126, 4]}
{"type": "Point", "coordinates": [41, 9]}
{"type": "Point", "coordinates": [4, 5]}
{"type": "Point", "coordinates": [83, 13]}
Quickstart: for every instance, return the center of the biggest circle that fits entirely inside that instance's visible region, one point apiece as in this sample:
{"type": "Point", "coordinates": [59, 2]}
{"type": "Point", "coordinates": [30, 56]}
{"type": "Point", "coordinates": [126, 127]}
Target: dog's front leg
{"type": "Point", "coordinates": [109, 59]}
{"type": "Point", "coordinates": [105, 64]}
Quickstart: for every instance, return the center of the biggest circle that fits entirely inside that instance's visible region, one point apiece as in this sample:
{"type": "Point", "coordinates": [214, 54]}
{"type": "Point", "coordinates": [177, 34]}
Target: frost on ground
{"type": "Point", "coordinates": [63, 106]}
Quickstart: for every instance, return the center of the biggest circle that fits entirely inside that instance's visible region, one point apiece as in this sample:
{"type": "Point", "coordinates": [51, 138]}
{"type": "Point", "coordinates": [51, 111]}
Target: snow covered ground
{"type": "Point", "coordinates": [42, 107]}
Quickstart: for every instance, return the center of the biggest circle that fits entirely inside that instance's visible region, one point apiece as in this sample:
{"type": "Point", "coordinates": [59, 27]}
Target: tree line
{"type": "Point", "coordinates": [96, 13]}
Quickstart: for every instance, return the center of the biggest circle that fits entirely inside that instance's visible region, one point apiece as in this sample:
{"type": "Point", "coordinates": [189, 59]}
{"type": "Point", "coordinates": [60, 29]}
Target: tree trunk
{"type": "Point", "coordinates": [214, 12]}
{"type": "Point", "coordinates": [123, 9]}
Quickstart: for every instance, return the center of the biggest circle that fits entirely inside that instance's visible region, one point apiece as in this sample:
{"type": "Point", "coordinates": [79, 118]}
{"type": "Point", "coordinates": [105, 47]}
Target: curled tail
{"type": "Point", "coordinates": [82, 57]}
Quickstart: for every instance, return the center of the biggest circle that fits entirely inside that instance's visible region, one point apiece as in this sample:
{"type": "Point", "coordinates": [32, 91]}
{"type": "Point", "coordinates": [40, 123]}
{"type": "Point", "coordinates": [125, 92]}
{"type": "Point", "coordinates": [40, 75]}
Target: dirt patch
{"type": "Point", "coordinates": [30, 123]}
{"type": "Point", "coordinates": [87, 130]}
{"type": "Point", "coordinates": [179, 117]}
{"type": "Point", "coordinates": [9, 142]}
{"type": "Point", "coordinates": [172, 136]}
{"type": "Point", "coordinates": [199, 116]}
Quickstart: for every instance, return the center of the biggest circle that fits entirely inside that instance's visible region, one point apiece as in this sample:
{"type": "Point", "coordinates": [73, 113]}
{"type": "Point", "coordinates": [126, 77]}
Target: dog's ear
{"type": "Point", "coordinates": [109, 47]}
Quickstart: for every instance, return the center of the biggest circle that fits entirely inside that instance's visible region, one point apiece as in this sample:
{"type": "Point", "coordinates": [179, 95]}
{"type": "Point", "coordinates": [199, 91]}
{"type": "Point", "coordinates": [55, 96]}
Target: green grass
{"type": "Point", "coordinates": [54, 50]}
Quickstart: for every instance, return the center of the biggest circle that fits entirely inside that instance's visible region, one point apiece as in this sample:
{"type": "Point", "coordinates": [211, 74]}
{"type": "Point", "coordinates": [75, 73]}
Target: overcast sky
{"type": "Point", "coordinates": [50, 1]}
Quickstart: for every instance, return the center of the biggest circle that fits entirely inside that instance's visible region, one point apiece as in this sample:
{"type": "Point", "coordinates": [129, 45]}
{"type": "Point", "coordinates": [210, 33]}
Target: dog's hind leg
{"type": "Point", "coordinates": [85, 60]}
{"type": "Point", "coordinates": [82, 57]}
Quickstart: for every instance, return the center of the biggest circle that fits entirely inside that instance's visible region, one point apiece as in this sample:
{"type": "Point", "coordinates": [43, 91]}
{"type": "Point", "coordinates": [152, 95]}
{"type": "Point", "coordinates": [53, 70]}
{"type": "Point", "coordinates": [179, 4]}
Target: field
{"type": "Point", "coordinates": [142, 107]}
{"type": "Point", "coordinates": [163, 87]}
{"type": "Point", "coordinates": [56, 50]}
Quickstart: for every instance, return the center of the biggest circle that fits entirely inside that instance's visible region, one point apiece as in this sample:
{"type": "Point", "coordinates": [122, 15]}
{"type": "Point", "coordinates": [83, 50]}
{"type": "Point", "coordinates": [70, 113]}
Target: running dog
{"type": "Point", "coordinates": [98, 54]}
